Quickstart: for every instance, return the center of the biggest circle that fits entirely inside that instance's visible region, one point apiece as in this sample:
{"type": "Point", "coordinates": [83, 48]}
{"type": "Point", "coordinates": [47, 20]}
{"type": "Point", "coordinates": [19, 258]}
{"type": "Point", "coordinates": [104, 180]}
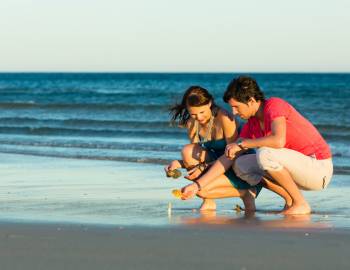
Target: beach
{"type": "Point", "coordinates": [80, 191]}
{"type": "Point", "coordinates": [83, 186]}
{"type": "Point", "coordinates": [86, 214]}
{"type": "Point", "coordinates": [38, 246]}
{"type": "Point", "coordinates": [99, 98]}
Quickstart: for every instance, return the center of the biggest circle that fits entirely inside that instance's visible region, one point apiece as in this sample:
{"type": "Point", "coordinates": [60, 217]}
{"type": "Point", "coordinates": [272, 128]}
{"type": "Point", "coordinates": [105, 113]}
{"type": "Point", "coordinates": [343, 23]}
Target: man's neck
{"type": "Point", "coordinates": [260, 111]}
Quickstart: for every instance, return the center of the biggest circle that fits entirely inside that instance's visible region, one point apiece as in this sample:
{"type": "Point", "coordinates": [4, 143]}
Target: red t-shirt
{"type": "Point", "coordinates": [301, 135]}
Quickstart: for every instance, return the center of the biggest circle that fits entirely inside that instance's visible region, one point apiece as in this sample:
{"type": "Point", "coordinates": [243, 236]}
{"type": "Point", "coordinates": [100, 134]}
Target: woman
{"type": "Point", "coordinates": [210, 129]}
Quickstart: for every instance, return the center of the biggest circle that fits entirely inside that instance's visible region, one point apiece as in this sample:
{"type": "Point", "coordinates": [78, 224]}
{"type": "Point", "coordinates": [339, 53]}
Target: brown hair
{"type": "Point", "coordinates": [242, 89]}
{"type": "Point", "coordinates": [195, 96]}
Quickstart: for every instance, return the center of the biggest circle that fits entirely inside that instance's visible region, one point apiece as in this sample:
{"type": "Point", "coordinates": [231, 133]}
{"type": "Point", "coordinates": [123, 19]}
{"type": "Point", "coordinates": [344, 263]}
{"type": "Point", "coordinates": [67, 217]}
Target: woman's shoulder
{"type": "Point", "coordinates": [224, 115]}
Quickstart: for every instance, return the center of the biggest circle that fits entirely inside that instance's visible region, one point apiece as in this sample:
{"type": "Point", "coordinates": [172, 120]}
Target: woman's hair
{"type": "Point", "coordinates": [195, 96]}
{"type": "Point", "coordinates": [242, 89]}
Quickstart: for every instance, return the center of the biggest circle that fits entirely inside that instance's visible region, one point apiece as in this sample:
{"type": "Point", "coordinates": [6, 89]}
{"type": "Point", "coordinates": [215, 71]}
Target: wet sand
{"type": "Point", "coordinates": [52, 246]}
{"type": "Point", "coordinates": [86, 214]}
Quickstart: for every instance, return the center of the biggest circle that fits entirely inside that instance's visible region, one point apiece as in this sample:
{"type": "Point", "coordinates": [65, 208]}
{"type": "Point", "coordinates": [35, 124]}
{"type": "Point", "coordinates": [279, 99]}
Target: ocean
{"type": "Point", "coordinates": [124, 117]}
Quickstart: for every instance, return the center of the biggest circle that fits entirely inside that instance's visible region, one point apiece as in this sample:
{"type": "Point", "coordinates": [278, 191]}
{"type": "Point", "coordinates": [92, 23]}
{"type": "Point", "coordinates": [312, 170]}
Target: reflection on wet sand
{"type": "Point", "coordinates": [263, 220]}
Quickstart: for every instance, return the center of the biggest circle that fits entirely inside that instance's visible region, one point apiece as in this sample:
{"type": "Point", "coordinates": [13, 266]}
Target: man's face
{"type": "Point", "coordinates": [244, 111]}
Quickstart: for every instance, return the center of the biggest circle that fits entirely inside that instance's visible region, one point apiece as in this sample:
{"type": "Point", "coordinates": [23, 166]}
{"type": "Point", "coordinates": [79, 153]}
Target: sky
{"type": "Point", "coordinates": [175, 35]}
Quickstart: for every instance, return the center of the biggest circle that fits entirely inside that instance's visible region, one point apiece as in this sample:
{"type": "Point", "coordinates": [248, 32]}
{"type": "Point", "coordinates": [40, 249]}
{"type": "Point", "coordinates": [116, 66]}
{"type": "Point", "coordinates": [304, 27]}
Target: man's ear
{"type": "Point", "coordinates": [251, 101]}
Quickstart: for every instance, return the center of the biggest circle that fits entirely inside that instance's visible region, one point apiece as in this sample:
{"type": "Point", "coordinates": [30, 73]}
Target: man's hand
{"type": "Point", "coordinates": [189, 191]}
{"type": "Point", "coordinates": [231, 150]}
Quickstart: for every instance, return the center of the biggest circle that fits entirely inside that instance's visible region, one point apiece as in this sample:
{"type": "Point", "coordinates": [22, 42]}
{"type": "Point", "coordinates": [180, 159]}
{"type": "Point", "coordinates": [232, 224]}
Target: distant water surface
{"type": "Point", "coordinates": [124, 116]}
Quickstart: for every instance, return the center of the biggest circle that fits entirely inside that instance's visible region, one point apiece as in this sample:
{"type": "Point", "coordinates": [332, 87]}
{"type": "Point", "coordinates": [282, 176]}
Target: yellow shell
{"type": "Point", "coordinates": [177, 193]}
{"type": "Point", "coordinates": [238, 208]}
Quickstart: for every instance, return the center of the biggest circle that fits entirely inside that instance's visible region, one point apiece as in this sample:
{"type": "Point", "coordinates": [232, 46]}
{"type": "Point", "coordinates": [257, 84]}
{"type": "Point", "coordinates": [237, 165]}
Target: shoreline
{"type": "Point", "coordinates": [52, 190]}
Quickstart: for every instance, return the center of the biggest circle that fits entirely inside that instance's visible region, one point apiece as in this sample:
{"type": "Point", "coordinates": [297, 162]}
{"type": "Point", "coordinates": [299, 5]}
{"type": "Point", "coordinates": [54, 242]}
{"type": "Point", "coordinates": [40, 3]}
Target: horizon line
{"type": "Point", "coordinates": [182, 72]}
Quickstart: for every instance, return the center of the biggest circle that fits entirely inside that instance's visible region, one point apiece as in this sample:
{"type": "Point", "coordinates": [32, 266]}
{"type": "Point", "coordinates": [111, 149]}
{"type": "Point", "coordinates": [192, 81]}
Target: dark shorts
{"type": "Point", "coordinates": [238, 183]}
{"type": "Point", "coordinates": [230, 174]}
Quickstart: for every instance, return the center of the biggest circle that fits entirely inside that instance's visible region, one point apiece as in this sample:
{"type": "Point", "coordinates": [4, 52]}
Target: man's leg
{"type": "Point", "coordinates": [247, 168]}
{"type": "Point", "coordinates": [299, 205]}
{"type": "Point", "coordinates": [274, 187]}
{"type": "Point", "coordinates": [276, 163]}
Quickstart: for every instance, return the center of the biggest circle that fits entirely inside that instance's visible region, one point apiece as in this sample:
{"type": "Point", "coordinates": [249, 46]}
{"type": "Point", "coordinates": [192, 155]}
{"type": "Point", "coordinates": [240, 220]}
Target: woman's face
{"type": "Point", "coordinates": [202, 113]}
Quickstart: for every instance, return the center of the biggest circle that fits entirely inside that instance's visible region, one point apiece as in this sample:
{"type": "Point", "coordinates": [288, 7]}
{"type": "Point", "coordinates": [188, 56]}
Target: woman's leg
{"type": "Point", "coordinates": [220, 188]}
{"type": "Point", "coordinates": [192, 155]}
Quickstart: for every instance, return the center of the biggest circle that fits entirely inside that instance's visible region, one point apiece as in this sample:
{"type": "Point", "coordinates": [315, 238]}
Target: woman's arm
{"type": "Point", "coordinates": [229, 126]}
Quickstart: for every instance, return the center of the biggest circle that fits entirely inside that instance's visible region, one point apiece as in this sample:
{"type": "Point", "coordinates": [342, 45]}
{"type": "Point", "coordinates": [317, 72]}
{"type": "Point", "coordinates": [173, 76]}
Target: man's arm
{"type": "Point", "coordinates": [277, 139]}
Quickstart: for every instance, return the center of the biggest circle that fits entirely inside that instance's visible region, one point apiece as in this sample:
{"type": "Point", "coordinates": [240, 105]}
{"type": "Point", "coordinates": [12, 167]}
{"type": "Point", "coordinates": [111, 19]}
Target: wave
{"type": "Point", "coordinates": [91, 132]}
{"type": "Point", "coordinates": [80, 106]}
{"type": "Point", "coordinates": [332, 127]}
{"type": "Point", "coordinates": [337, 137]}
{"type": "Point", "coordinates": [75, 122]}
{"type": "Point", "coordinates": [95, 145]}
{"type": "Point", "coordinates": [338, 170]}
{"type": "Point", "coordinates": [343, 170]}
{"type": "Point", "coordinates": [330, 132]}
{"type": "Point", "coordinates": [152, 160]}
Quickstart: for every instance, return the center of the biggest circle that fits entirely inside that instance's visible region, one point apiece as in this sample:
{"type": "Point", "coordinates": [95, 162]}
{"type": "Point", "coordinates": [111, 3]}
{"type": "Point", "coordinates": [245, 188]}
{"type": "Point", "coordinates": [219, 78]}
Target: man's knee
{"type": "Point", "coordinates": [239, 166]}
{"type": "Point", "coordinates": [267, 159]}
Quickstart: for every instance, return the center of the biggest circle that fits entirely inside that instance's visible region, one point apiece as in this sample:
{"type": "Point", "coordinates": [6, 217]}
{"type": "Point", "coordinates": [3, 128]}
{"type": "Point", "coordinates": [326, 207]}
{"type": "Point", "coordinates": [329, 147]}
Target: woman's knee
{"type": "Point", "coordinates": [187, 152]}
{"type": "Point", "coordinates": [203, 193]}
{"type": "Point", "coordinates": [192, 154]}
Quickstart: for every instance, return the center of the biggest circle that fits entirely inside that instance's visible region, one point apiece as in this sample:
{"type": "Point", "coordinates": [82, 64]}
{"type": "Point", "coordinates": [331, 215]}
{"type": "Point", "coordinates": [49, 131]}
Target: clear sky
{"type": "Point", "coordinates": [175, 35]}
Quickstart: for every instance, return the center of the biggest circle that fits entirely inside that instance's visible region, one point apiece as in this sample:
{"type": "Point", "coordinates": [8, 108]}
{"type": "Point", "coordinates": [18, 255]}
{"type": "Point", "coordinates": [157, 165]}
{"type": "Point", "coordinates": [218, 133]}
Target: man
{"type": "Point", "coordinates": [290, 151]}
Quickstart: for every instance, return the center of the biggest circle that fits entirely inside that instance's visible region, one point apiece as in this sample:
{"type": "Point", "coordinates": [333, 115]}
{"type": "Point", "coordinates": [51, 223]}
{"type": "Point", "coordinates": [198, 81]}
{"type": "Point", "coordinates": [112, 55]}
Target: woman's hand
{"type": "Point", "coordinates": [189, 191]}
{"type": "Point", "coordinates": [193, 173]}
{"type": "Point", "coordinates": [196, 171]}
{"type": "Point", "coordinates": [175, 164]}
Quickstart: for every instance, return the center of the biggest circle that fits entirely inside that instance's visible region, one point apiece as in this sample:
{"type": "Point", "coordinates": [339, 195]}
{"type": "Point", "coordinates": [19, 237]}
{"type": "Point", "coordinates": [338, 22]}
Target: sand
{"type": "Point", "coordinates": [85, 214]}
{"type": "Point", "coordinates": [53, 246]}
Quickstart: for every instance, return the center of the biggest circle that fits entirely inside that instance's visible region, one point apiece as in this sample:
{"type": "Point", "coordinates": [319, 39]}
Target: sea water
{"type": "Point", "coordinates": [124, 117]}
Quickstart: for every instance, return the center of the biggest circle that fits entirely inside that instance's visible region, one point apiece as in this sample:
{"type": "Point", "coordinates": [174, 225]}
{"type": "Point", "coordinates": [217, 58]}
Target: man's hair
{"type": "Point", "coordinates": [242, 89]}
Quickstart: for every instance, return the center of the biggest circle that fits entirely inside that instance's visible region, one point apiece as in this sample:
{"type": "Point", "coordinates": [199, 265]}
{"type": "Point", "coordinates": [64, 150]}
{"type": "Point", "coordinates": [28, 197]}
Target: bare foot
{"type": "Point", "coordinates": [208, 205]}
{"type": "Point", "coordinates": [287, 205]}
{"type": "Point", "coordinates": [298, 209]}
{"type": "Point", "coordinates": [249, 200]}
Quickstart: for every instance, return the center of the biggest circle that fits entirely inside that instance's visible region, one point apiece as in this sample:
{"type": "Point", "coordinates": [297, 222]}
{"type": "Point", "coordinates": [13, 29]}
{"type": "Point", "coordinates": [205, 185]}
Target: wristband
{"type": "Point", "coordinates": [202, 166]}
{"type": "Point", "coordinates": [240, 145]}
{"type": "Point", "coordinates": [198, 185]}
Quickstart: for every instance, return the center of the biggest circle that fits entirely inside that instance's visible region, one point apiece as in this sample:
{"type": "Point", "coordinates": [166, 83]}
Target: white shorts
{"type": "Point", "coordinates": [307, 172]}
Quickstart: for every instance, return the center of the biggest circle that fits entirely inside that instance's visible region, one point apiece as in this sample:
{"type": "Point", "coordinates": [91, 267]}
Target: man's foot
{"type": "Point", "coordinates": [208, 205]}
{"type": "Point", "coordinates": [249, 200]}
{"type": "Point", "coordinates": [298, 209]}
